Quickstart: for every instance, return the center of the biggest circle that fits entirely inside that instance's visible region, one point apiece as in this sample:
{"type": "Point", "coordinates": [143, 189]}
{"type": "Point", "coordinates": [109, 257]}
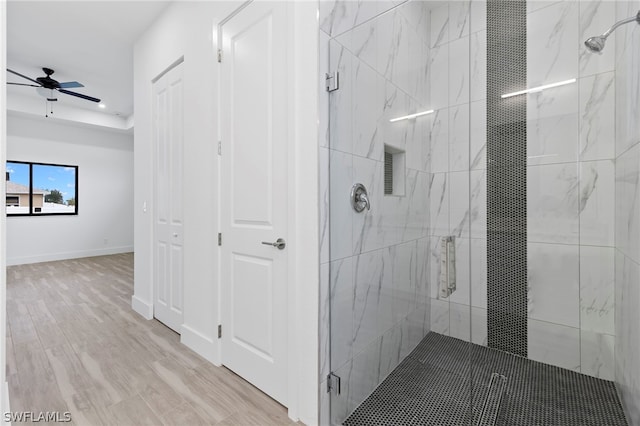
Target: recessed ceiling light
{"type": "Point", "coordinates": [103, 106]}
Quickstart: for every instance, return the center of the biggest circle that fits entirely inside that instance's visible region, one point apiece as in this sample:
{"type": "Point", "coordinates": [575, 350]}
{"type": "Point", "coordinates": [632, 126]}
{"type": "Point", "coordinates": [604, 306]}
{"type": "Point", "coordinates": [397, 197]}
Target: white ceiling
{"type": "Point", "coordinates": [86, 41]}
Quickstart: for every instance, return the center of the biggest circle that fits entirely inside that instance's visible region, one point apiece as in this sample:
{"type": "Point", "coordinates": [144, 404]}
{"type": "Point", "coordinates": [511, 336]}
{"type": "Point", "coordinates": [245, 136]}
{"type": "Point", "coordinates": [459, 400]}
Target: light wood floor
{"type": "Point", "coordinates": [74, 344]}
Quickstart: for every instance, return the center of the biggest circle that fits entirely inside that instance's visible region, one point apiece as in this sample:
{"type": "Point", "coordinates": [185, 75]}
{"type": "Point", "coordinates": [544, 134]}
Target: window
{"type": "Point", "coordinates": [37, 189]}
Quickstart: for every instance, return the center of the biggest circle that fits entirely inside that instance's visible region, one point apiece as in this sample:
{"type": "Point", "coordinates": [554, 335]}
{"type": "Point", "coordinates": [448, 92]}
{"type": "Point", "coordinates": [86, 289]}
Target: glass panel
{"type": "Point", "coordinates": [398, 273]}
{"type": "Point", "coordinates": [54, 189]}
{"type": "Point", "coordinates": [542, 205]}
{"type": "Point", "coordinates": [17, 178]}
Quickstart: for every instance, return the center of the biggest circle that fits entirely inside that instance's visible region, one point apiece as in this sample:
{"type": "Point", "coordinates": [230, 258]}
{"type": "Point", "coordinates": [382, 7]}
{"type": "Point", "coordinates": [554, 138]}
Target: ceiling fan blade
{"type": "Point", "coordinates": [23, 76]}
{"type": "Point", "coordinates": [23, 84]}
{"type": "Point", "coordinates": [79, 95]}
{"type": "Point", "coordinates": [70, 85]}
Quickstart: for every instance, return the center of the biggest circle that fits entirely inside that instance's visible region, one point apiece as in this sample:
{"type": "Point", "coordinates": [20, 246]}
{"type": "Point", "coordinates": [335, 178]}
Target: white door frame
{"type": "Point", "coordinates": [303, 269]}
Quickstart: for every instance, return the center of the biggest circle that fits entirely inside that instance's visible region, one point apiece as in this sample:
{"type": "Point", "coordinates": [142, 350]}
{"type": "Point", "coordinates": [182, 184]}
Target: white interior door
{"type": "Point", "coordinates": [254, 197]}
{"type": "Point", "coordinates": [168, 209]}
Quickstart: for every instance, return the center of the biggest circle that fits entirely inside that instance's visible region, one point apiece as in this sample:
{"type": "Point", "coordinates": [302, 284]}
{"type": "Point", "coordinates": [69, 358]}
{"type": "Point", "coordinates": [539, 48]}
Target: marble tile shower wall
{"type": "Point", "coordinates": [376, 262]}
{"type": "Point", "coordinates": [627, 212]}
{"type": "Point", "coordinates": [570, 180]}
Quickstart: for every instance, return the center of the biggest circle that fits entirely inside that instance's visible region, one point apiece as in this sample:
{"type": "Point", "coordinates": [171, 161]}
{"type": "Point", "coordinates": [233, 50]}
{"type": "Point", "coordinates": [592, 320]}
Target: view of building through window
{"type": "Point", "coordinates": [36, 189]}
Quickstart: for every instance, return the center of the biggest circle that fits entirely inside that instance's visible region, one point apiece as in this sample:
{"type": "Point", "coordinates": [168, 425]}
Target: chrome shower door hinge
{"type": "Point", "coordinates": [333, 383]}
{"type": "Point", "coordinates": [332, 81]}
{"type": "Point", "coordinates": [219, 55]}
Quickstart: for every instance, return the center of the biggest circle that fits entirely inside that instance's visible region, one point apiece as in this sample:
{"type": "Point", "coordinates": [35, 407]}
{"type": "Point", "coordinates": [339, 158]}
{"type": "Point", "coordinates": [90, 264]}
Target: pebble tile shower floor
{"type": "Point", "coordinates": [432, 387]}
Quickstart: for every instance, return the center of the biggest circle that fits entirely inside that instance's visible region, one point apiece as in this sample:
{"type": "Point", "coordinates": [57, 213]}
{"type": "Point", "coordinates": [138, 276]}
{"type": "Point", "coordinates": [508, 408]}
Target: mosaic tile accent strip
{"type": "Point", "coordinates": [506, 176]}
{"type": "Point", "coordinates": [438, 385]}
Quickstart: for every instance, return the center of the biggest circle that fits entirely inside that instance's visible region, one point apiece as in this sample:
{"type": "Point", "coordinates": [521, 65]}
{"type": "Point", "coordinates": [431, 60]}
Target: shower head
{"type": "Point", "coordinates": [596, 43]}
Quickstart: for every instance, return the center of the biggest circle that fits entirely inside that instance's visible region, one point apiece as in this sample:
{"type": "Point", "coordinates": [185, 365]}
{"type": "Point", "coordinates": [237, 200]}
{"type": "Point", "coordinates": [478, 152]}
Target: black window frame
{"type": "Point", "coordinates": [31, 208]}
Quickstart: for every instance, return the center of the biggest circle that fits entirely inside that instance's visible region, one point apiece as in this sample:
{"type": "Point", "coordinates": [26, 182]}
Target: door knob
{"type": "Point", "coordinates": [280, 244]}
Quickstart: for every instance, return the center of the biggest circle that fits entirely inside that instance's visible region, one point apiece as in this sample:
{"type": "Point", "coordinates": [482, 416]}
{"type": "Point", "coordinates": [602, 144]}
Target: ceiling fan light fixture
{"type": "Point", "coordinates": [47, 93]}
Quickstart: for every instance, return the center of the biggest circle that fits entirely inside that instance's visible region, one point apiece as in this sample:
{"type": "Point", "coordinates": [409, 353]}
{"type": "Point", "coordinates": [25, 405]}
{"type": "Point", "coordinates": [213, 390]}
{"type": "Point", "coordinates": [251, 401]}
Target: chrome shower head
{"type": "Point", "coordinates": [595, 44]}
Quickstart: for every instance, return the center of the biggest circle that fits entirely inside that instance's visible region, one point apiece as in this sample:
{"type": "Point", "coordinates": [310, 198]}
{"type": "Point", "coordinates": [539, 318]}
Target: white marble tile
{"type": "Point", "coordinates": [459, 11]}
{"type": "Point", "coordinates": [459, 138]}
{"type": "Point", "coordinates": [554, 344]}
{"type": "Point", "coordinates": [374, 297]}
{"type": "Point", "coordinates": [552, 37]}
{"type": "Point", "coordinates": [342, 303]}
{"type": "Point", "coordinates": [459, 71]}
{"type": "Point", "coordinates": [478, 76]}
{"type": "Point", "coordinates": [478, 203]}
{"type": "Point", "coordinates": [440, 25]}
{"type": "Point", "coordinates": [364, 43]}
{"type": "Point", "coordinates": [340, 210]}
{"type": "Point", "coordinates": [325, 323]}
{"type": "Point", "coordinates": [597, 290]}
{"type": "Point", "coordinates": [417, 66]}
{"type": "Point", "coordinates": [439, 204]}
{"type": "Point", "coordinates": [552, 125]}
{"type": "Point", "coordinates": [554, 283]}
{"type": "Point", "coordinates": [390, 344]}
{"type": "Point", "coordinates": [396, 104]}
{"type": "Point", "coordinates": [439, 140]}
{"type": "Point", "coordinates": [393, 48]}
{"type": "Point", "coordinates": [368, 108]}
{"type": "Point", "coordinates": [423, 255]}
{"type": "Point", "coordinates": [627, 209]}
{"type": "Point", "coordinates": [440, 316]}
{"type": "Point", "coordinates": [597, 356]}
{"type": "Point", "coordinates": [439, 77]}
{"type": "Point", "coordinates": [413, 330]}
{"type": "Point", "coordinates": [552, 203]}
{"type": "Point", "coordinates": [363, 377]}
{"type": "Point", "coordinates": [460, 321]}
{"type": "Point", "coordinates": [595, 17]}
{"type": "Point", "coordinates": [597, 203]}
{"type": "Point", "coordinates": [597, 117]}
{"type": "Point", "coordinates": [478, 138]}
{"type": "Point", "coordinates": [627, 82]}
{"type": "Point", "coordinates": [415, 207]}
{"type": "Point", "coordinates": [418, 14]}
{"type": "Point", "coordinates": [364, 10]}
{"type": "Point", "coordinates": [463, 276]}
{"type": "Point", "coordinates": [459, 212]}
{"type": "Point", "coordinates": [478, 15]}
{"type": "Point", "coordinates": [479, 333]}
{"type": "Point", "coordinates": [402, 259]}
{"type": "Point", "coordinates": [340, 119]}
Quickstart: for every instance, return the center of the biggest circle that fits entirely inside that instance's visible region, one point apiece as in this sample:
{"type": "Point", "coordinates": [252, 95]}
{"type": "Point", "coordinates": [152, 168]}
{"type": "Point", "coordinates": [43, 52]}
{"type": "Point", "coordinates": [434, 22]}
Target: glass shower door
{"type": "Point", "coordinates": [397, 256]}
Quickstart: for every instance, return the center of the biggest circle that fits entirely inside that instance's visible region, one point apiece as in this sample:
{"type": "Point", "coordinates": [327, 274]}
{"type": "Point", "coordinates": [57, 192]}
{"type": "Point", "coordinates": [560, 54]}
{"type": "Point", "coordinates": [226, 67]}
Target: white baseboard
{"type": "Point", "coordinates": [51, 257]}
{"type": "Point", "coordinates": [200, 344]}
{"type": "Point", "coordinates": [145, 309]}
{"type": "Point", "coordinates": [4, 401]}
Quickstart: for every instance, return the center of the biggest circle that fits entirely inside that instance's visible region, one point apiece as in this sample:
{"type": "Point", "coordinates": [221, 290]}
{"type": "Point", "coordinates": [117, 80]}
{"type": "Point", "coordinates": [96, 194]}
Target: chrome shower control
{"type": "Point", "coordinates": [359, 198]}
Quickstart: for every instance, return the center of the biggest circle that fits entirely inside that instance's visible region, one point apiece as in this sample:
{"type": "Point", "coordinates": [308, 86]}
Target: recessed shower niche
{"type": "Point", "coordinates": [394, 171]}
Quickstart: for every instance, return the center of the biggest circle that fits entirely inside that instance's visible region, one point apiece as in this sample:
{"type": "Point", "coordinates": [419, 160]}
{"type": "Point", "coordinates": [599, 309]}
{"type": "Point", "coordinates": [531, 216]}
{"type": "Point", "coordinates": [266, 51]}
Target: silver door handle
{"type": "Point", "coordinates": [280, 244]}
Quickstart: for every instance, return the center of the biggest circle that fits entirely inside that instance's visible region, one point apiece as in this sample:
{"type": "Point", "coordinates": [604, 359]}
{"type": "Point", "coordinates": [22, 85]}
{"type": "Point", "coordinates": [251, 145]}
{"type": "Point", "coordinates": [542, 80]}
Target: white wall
{"type": "Point", "coordinates": [188, 29]}
{"type": "Point", "coordinates": [104, 224]}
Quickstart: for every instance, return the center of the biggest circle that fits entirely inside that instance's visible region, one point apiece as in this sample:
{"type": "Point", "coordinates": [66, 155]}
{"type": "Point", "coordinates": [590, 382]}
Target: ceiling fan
{"type": "Point", "coordinates": [44, 84]}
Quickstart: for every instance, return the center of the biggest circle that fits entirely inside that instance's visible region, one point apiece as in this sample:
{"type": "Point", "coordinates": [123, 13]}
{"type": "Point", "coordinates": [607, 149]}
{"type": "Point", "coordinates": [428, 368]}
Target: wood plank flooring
{"type": "Point", "coordinates": [74, 344]}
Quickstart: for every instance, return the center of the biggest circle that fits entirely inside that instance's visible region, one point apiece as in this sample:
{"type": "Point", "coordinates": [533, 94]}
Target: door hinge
{"type": "Point", "coordinates": [219, 238]}
{"type": "Point", "coordinates": [219, 55]}
{"type": "Point", "coordinates": [332, 81]}
{"type": "Point", "coordinates": [333, 383]}
{"type": "Point", "coordinates": [219, 331]}
{"type": "Point", "coordinates": [219, 147]}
